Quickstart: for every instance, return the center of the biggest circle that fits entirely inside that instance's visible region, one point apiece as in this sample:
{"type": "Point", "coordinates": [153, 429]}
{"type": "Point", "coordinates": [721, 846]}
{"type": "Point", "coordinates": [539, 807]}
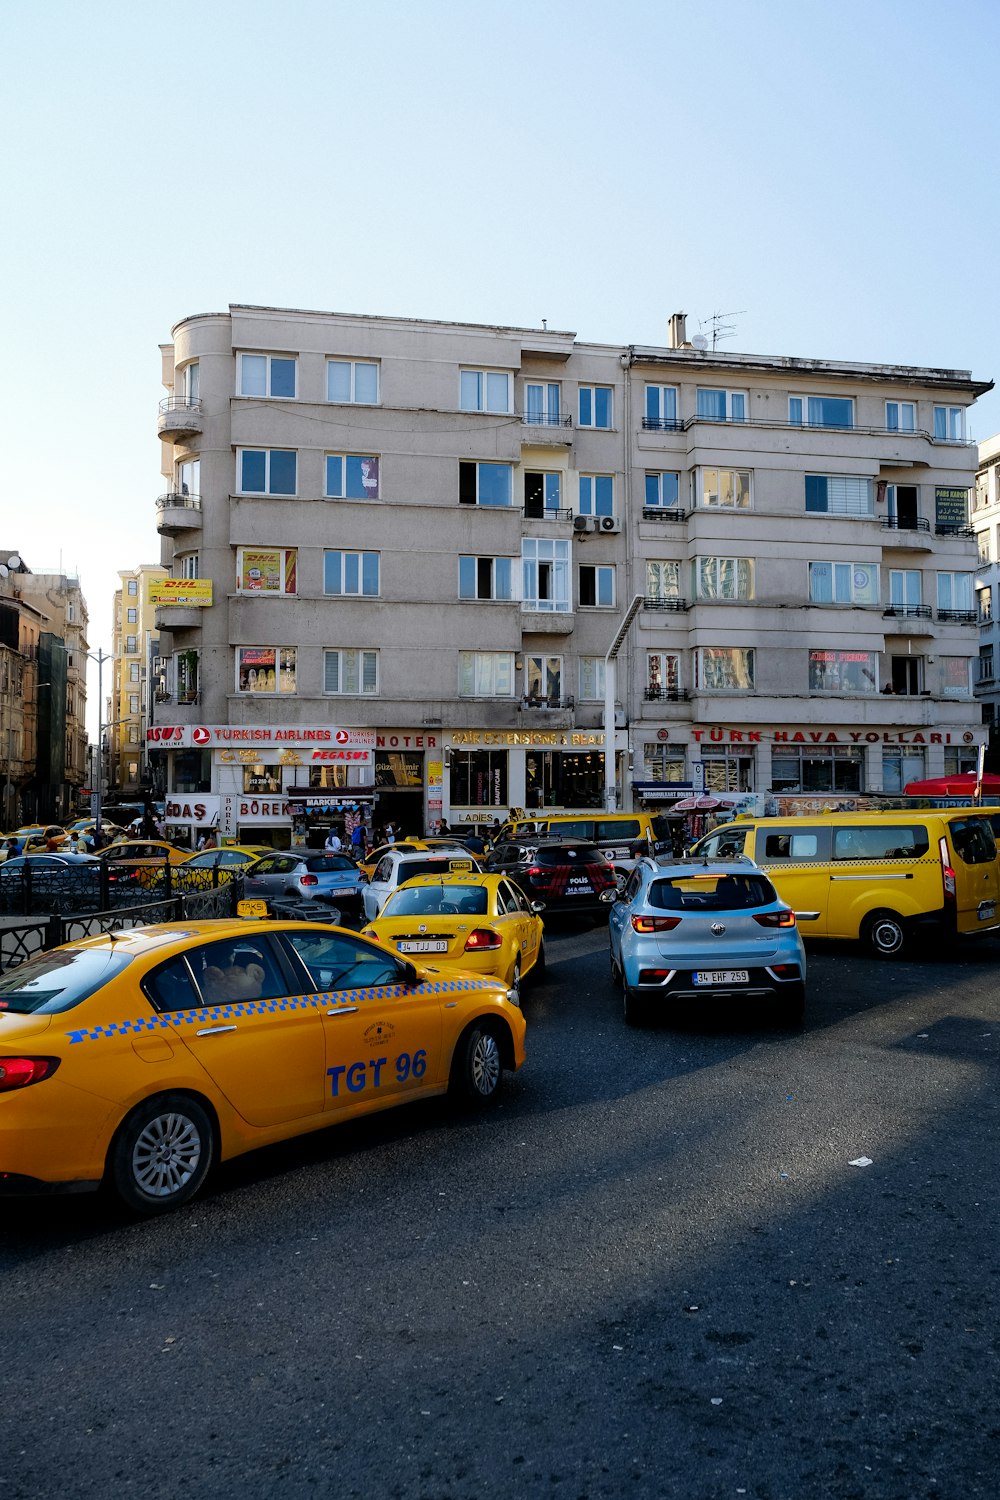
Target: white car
{"type": "Point", "coordinates": [396, 866]}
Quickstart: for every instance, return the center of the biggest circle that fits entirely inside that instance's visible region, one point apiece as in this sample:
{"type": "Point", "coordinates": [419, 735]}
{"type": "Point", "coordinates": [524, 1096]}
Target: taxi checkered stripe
{"type": "Point", "coordinates": [243, 1008]}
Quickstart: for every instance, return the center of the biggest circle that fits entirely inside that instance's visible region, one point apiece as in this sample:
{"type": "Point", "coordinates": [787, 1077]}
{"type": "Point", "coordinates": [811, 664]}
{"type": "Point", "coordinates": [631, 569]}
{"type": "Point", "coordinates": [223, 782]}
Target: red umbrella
{"type": "Point", "coordinates": [961, 785]}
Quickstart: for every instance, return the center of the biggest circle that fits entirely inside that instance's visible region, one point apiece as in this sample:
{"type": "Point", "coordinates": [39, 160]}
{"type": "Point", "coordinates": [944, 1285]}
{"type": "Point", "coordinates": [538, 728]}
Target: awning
{"type": "Point", "coordinates": [963, 784]}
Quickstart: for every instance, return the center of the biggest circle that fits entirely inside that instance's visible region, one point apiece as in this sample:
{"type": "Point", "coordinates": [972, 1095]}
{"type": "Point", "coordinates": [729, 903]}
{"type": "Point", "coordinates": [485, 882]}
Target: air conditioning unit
{"type": "Point", "coordinates": [582, 523]}
{"type": "Point", "coordinates": [608, 523]}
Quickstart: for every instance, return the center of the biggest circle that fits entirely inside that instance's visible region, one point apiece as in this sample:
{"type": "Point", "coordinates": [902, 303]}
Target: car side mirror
{"type": "Point", "coordinates": [538, 907]}
{"type": "Point", "coordinates": [410, 975]}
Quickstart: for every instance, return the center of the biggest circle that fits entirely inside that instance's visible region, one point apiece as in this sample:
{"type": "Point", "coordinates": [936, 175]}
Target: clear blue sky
{"type": "Point", "coordinates": [828, 170]}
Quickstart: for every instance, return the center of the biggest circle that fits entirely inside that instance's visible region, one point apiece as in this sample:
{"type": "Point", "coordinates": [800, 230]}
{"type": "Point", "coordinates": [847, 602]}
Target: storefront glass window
{"type": "Point", "coordinates": [260, 778]}
{"type": "Point", "coordinates": [826, 768]}
{"type": "Point", "coordinates": [900, 765]}
{"type": "Point", "coordinates": [478, 778]}
{"type": "Point", "coordinates": [558, 778]}
{"type": "Point", "coordinates": [727, 770]}
{"type": "Point", "coordinates": [662, 763]}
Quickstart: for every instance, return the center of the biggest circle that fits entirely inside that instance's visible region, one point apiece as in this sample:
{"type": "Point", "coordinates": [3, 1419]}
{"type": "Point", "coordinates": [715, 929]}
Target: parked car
{"type": "Point", "coordinates": [197, 873]}
{"type": "Point", "coordinates": [691, 933]}
{"type": "Point", "coordinates": [50, 883]}
{"type": "Point", "coordinates": [407, 846]}
{"type": "Point", "coordinates": [399, 865]}
{"type": "Point", "coordinates": [309, 876]}
{"type": "Point", "coordinates": [569, 875]}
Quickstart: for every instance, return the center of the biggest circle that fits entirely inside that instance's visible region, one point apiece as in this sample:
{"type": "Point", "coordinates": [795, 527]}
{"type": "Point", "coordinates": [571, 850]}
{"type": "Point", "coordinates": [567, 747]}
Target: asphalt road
{"type": "Point", "coordinates": [651, 1272]}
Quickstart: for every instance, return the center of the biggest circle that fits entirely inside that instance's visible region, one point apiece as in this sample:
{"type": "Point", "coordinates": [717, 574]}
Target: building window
{"type": "Point", "coordinates": [722, 406]}
{"type": "Point", "coordinates": [266, 570]}
{"type": "Point", "coordinates": [839, 494]}
{"type": "Point", "coordinates": [265, 669]}
{"type": "Point", "coordinates": [985, 664]}
{"type": "Point", "coordinates": [662, 762]}
{"type": "Point", "coordinates": [186, 676]}
{"type": "Point", "coordinates": [267, 375]}
{"type": "Point", "coordinates": [663, 580]}
{"type": "Point", "coordinates": [132, 588]}
{"type": "Point", "coordinates": [542, 405]}
{"type": "Point", "coordinates": [984, 603]}
{"type": "Point", "coordinates": [133, 672]}
{"type": "Point", "coordinates": [545, 575]}
{"type": "Point", "coordinates": [350, 672]}
{"type": "Point", "coordinates": [187, 476]}
{"type": "Point", "coordinates": [722, 577]}
{"type": "Point", "coordinates": [901, 765]}
{"type": "Point", "coordinates": [133, 703]}
{"type": "Point", "coordinates": [727, 489]}
{"type": "Point", "coordinates": [191, 381]}
{"type": "Point", "coordinates": [261, 779]}
{"type": "Point", "coordinates": [484, 390]}
{"type": "Point", "coordinates": [821, 411]}
{"type": "Point", "coordinates": [960, 759]}
{"type": "Point", "coordinates": [662, 490]}
{"type": "Point", "coordinates": [542, 493]}
{"type": "Point", "coordinates": [955, 677]}
{"type": "Point", "coordinates": [188, 564]}
{"type": "Point", "coordinates": [351, 573]}
{"type": "Point", "coordinates": [904, 588]}
{"type": "Point", "coordinates": [727, 770]}
{"type": "Point", "coordinates": [486, 578]}
{"type": "Point", "coordinates": [843, 583]}
{"type": "Point", "coordinates": [663, 675]}
{"type": "Point", "coordinates": [132, 616]}
{"type": "Point", "coordinates": [478, 778]}
{"type": "Point", "coordinates": [486, 674]}
{"type": "Point", "coordinates": [543, 681]}
{"type": "Point", "coordinates": [597, 586]}
{"type": "Point", "coordinates": [954, 591]}
{"type": "Point", "coordinates": [597, 495]}
{"type": "Point", "coordinates": [131, 645]}
{"type": "Point", "coordinates": [724, 669]}
{"type": "Point", "coordinates": [133, 734]}
{"type": "Point", "coordinates": [820, 768]}
{"type": "Point", "coordinates": [352, 476]}
{"type": "Point", "coordinates": [982, 546]}
{"type": "Point", "coordinates": [900, 416]}
{"type": "Point", "coordinates": [485, 484]}
{"type": "Point", "coordinates": [949, 424]}
{"type": "Point", "coordinates": [353, 381]}
{"type": "Point", "coordinates": [843, 672]}
{"type": "Point", "coordinates": [596, 406]}
{"type": "Point", "coordinates": [592, 678]}
{"type": "Point", "coordinates": [266, 471]}
{"type": "Point", "coordinates": [661, 408]}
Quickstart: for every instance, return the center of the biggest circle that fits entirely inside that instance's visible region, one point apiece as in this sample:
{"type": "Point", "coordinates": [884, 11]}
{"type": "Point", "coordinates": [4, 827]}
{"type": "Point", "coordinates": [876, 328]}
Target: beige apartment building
{"type": "Point", "coordinates": [986, 524]}
{"type": "Point", "coordinates": [401, 550]}
{"type": "Point", "coordinates": [135, 680]}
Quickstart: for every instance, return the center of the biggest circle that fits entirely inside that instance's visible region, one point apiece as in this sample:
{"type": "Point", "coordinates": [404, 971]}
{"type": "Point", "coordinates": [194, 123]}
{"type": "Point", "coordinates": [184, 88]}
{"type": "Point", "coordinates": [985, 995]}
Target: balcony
{"type": "Point", "coordinates": [662, 424]}
{"type": "Point", "coordinates": [665, 695]}
{"type": "Point", "coordinates": [547, 427]}
{"type": "Point", "coordinates": [179, 419]}
{"type": "Point", "coordinates": [177, 512]}
{"type": "Point", "coordinates": [662, 513]}
{"type": "Point", "coordinates": [948, 528]}
{"type": "Point", "coordinates": [961, 617]}
{"type": "Point", "coordinates": [541, 513]}
{"type": "Point", "coordinates": [671, 606]}
{"type": "Point", "coordinates": [178, 617]}
{"type": "Point", "coordinates": [546, 621]}
{"type": "Point", "coordinates": [907, 612]}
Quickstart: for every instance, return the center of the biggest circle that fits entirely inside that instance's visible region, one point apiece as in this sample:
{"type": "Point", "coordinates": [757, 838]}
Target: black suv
{"type": "Point", "coordinates": [566, 874]}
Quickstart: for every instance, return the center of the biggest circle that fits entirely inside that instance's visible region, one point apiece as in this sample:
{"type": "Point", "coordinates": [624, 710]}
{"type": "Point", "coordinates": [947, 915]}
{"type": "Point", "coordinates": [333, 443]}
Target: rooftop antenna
{"type": "Point", "coordinates": [718, 328]}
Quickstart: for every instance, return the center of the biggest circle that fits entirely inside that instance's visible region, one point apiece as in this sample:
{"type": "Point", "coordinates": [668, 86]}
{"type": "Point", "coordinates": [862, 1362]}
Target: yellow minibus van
{"type": "Point", "coordinates": [623, 837]}
{"type": "Point", "coordinates": [883, 877]}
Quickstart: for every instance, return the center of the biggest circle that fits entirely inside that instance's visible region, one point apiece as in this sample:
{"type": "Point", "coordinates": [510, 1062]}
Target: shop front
{"type": "Point", "coordinates": [407, 781]}
{"type": "Point", "coordinates": [487, 772]}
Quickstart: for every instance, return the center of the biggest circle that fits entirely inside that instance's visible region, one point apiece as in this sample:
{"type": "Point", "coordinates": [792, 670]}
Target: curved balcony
{"type": "Point", "coordinates": [175, 512]}
{"type": "Point", "coordinates": [178, 617]}
{"type": "Point", "coordinates": [179, 418]}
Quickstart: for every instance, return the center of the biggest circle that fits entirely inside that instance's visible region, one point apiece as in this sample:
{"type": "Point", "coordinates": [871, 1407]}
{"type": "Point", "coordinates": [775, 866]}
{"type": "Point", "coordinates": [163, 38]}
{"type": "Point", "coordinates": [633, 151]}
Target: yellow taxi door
{"type": "Point", "coordinates": [260, 1044]}
{"type": "Point", "coordinates": [977, 896]}
{"type": "Point", "coordinates": [796, 859]}
{"type": "Point", "coordinates": [382, 1035]}
{"type": "Point", "coordinates": [522, 920]}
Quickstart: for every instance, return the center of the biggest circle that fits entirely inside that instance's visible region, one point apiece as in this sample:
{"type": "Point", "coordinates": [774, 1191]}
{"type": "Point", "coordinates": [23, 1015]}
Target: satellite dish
{"type": "Point", "coordinates": [700, 342]}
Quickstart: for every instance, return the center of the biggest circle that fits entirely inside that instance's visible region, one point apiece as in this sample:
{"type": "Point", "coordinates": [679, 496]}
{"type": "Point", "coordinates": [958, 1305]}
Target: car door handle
{"type": "Point", "coordinates": [214, 1030]}
{"type": "Point", "coordinates": [345, 1010]}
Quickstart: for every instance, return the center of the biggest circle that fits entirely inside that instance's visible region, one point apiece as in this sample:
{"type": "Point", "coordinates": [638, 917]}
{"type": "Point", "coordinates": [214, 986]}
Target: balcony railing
{"type": "Point", "coordinates": [674, 606]}
{"type": "Point", "coordinates": [178, 500]}
{"type": "Point", "coordinates": [544, 513]}
{"type": "Point", "coordinates": [959, 616]}
{"type": "Point", "coordinates": [684, 424]}
{"type": "Point", "coordinates": [665, 695]}
{"type": "Point", "coordinates": [662, 424]}
{"type": "Point", "coordinates": [895, 523]}
{"type": "Point", "coordinates": [546, 418]}
{"type": "Point", "coordinates": [908, 612]}
{"type": "Point", "coordinates": [663, 513]}
{"type": "Point", "coordinates": [547, 704]}
{"type": "Point", "coordinates": [952, 528]}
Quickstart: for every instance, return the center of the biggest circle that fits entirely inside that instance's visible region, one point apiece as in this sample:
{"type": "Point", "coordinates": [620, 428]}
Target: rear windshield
{"type": "Point", "coordinates": [57, 981]}
{"type": "Point", "coordinates": [329, 862]}
{"type": "Point", "coordinates": [579, 854]}
{"type": "Point", "coordinates": [900, 841]}
{"type": "Point", "coordinates": [973, 841]}
{"type": "Point", "coordinates": [712, 893]}
{"type": "Point", "coordinates": [424, 867]}
{"type": "Point", "coordinates": [437, 900]}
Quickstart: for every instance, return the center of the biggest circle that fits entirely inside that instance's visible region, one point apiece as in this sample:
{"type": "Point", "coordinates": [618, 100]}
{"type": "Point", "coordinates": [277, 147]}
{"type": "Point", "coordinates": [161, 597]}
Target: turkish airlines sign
{"type": "Point", "coordinates": [281, 736]}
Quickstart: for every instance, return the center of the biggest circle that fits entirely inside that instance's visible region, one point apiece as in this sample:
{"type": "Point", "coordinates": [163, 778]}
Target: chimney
{"type": "Point", "coordinates": [677, 332]}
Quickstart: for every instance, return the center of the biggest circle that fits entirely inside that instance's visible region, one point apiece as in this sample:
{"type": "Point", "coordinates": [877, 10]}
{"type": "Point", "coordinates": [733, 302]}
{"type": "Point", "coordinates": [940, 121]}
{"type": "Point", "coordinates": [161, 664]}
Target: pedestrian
{"type": "Point", "coordinates": [80, 843]}
{"type": "Point", "coordinates": [390, 834]}
{"type": "Point", "coordinates": [211, 842]}
{"type": "Point", "coordinates": [443, 828]}
{"type": "Point", "coordinates": [333, 843]}
{"type": "Point", "coordinates": [358, 839]}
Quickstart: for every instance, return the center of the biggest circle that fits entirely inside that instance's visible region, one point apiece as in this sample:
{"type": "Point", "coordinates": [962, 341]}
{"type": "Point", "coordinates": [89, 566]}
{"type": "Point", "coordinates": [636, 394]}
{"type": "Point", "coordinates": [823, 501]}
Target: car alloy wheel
{"type": "Point", "coordinates": [162, 1153]}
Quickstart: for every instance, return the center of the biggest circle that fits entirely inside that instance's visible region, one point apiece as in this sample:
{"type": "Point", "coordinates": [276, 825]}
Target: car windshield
{"type": "Point", "coordinates": [437, 900]}
{"type": "Point", "coordinates": [711, 892]}
{"type": "Point", "coordinates": [58, 980]}
{"type": "Point", "coordinates": [321, 864]}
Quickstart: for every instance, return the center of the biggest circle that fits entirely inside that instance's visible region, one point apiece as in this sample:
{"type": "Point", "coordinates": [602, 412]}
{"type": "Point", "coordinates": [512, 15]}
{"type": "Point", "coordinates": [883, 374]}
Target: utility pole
{"type": "Point", "coordinates": [100, 656]}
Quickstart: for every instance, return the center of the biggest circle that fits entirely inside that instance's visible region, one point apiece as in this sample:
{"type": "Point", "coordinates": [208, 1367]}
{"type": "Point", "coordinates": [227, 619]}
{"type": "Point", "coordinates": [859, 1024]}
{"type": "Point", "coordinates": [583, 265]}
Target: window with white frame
{"type": "Point", "coordinates": [661, 408]}
{"type": "Point", "coordinates": [132, 587]}
{"type": "Point", "coordinates": [545, 575]}
{"type": "Point", "coordinates": [839, 494]}
{"type": "Point", "coordinates": [597, 495]}
{"type": "Point", "coordinates": [954, 592]}
{"type": "Point", "coordinates": [905, 588]}
{"type": "Point", "coordinates": [188, 564]}
{"type": "Point", "coordinates": [187, 476]}
{"type": "Point", "coordinates": [960, 759]}
{"type": "Point", "coordinates": [663, 675]}
{"type": "Point", "coordinates": [663, 579]}
{"type": "Point", "coordinates": [352, 381]}
{"type": "Point", "coordinates": [722, 577]}
{"type": "Point", "coordinates": [901, 764]}
{"type": "Point", "coordinates": [190, 381]}
{"type": "Point", "coordinates": [662, 762]}
{"type": "Point", "coordinates": [984, 604]}
{"type": "Point", "coordinates": [133, 672]}
{"type": "Point", "coordinates": [949, 424]}
{"type": "Point", "coordinates": [983, 545]}
{"type": "Point", "coordinates": [266, 570]}
{"type": "Point", "coordinates": [821, 411]}
{"type": "Point", "coordinates": [351, 476]}
{"type": "Point", "coordinates": [843, 583]}
{"type": "Point", "coordinates": [900, 416]}
{"type": "Point", "coordinates": [131, 645]}
{"type": "Point", "coordinates": [592, 678]}
{"type": "Point", "coordinates": [597, 586]}
{"type": "Point", "coordinates": [265, 669]}
{"type": "Point", "coordinates": [486, 578]}
{"type": "Point", "coordinates": [267, 375]}
{"type": "Point", "coordinates": [717, 405]}
{"type": "Point", "coordinates": [985, 664]}
{"type": "Point", "coordinates": [543, 404]}
{"type": "Point", "coordinates": [266, 471]}
{"type": "Point", "coordinates": [485, 483]}
{"type": "Point", "coordinates": [350, 672]}
{"type": "Point", "coordinates": [723, 489]}
{"type": "Point", "coordinates": [543, 681]}
{"type": "Point", "coordinates": [133, 703]}
{"type": "Point", "coordinates": [132, 616]}
{"type": "Point", "coordinates": [542, 493]}
{"type": "Point", "coordinates": [485, 390]}
{"type": "Point", "coordinates": [486, 674]}
{"type": "Point", "coordinates": [662, 490]}
{"type": "Point", "coordinates": [351, 573]}
{"type": "Point", "coordinates": [854, 672]}
{"type": "Point", "coordinates": [724, 669]}
{"type": "Point", "coordinates": [596, 406]}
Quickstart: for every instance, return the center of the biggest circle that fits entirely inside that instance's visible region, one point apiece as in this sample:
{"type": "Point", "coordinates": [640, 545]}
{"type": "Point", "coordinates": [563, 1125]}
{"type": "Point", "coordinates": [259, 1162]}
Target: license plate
{"type": "Point", "coordinates": [251, 908]}
{"type": "Point", "coordinates": [424, 945]}
{"type": "Point", "coordinates": [342, 890]}
{"type": "Point", "coordinates": [987, 910]}
{"type": "Point", "coordinates": [721, 976]}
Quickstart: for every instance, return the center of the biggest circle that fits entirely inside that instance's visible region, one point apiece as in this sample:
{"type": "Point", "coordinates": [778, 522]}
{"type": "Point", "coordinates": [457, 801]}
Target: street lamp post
{"type": "Point", "coordinates": [610, 664]}
{"type": "Point", "coordinates": [100, 656]}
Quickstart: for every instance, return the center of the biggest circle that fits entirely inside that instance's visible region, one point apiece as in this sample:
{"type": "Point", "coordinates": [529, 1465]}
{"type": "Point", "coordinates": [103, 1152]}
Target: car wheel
{"type": "Point", "coordinates": [616, 973]}
{"type": "Point", "coordinates": [884, 934]}
{"type": "Point", "coordinates": [634, 1008]}
{"type": "Point", "coordinates": [162, 1153]}
{"type": "Point", "coordinates": [792, 1004]}
{"type": "Point", "coordinates": [514, 983]}
{"type": "Point", "coordinates": [478, 1066]}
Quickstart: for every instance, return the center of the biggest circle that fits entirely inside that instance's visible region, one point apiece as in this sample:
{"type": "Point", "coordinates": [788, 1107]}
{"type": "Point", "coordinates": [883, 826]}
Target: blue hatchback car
{"type": "Point", "coordinates": [695, 932]}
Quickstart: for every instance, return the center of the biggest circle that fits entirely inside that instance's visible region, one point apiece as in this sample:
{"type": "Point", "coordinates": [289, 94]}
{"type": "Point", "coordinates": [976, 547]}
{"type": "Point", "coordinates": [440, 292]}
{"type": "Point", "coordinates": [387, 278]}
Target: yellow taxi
{"type": "Point", "coordinates": [143, 1057]}
{"type": "Point", "coordinates": [143, 859]}
{"type": "Point", "coordinates": [198, 871]}
{"type": "Point", "coordinates": [407, 846]}
{"type": "Point", "coordinates": [483, 922]}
